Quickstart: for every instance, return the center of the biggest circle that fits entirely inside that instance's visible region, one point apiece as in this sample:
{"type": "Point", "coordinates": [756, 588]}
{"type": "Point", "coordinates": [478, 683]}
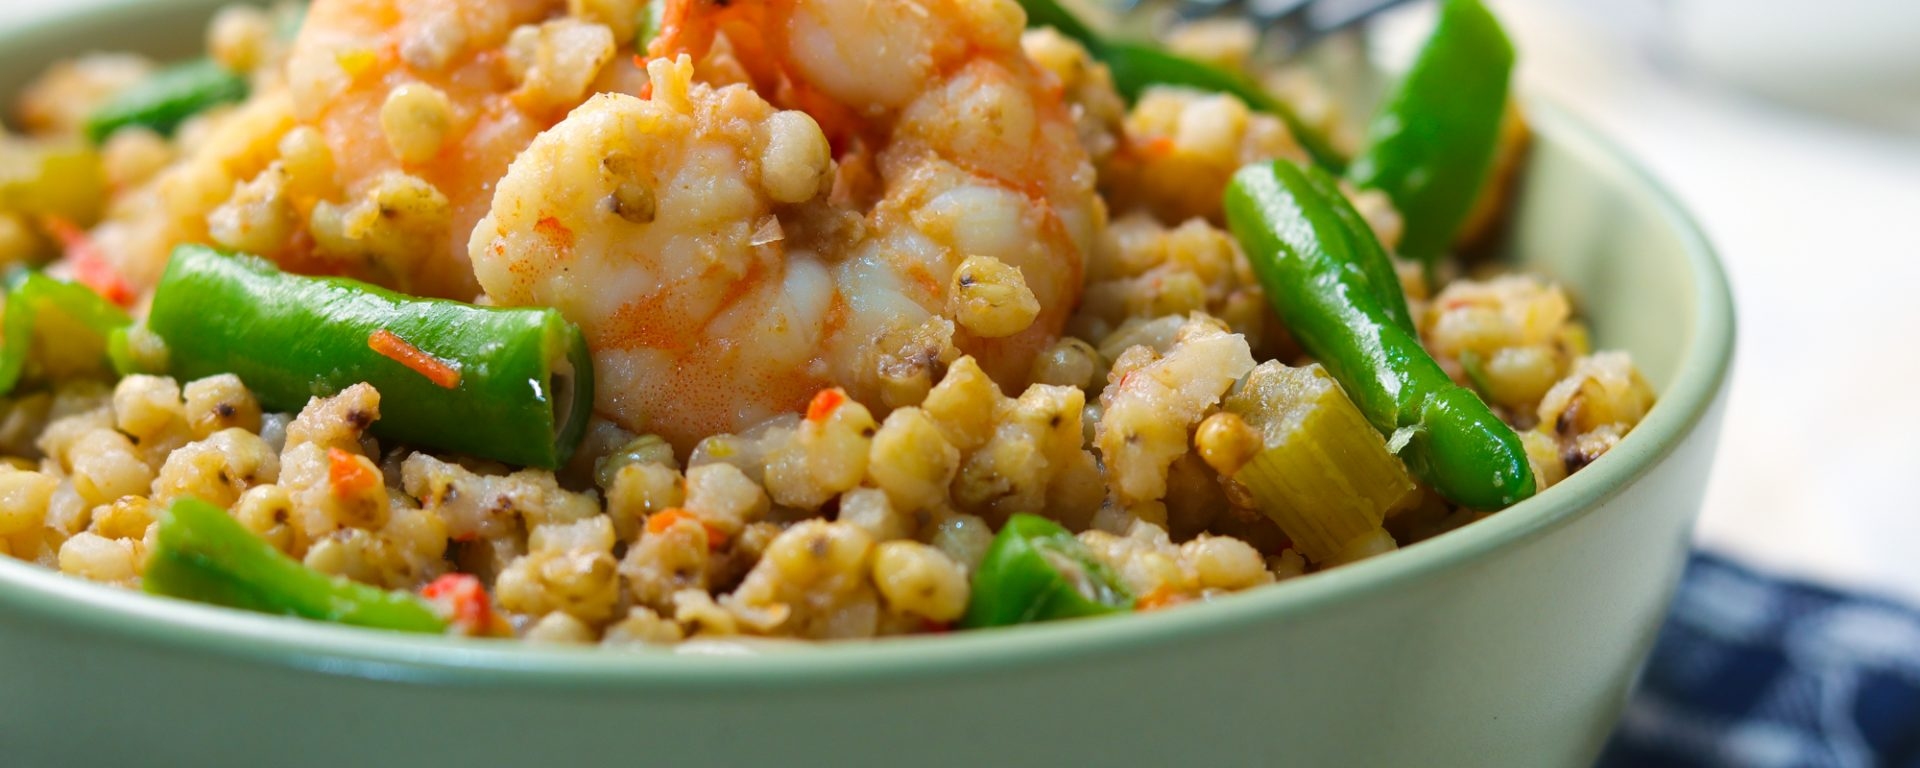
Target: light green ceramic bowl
{"type": "Point", "coordinates": [1513, 641]}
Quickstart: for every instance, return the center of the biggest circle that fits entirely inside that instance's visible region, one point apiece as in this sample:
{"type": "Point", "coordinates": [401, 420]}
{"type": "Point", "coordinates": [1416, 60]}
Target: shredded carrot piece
{"type": "Point", "coordinates": [660, 521]}
{"type": "Point", "coordinates": [90, 265]}
{"type": "Point", "coordinates": [465, 599]}
{"type": "Point", "coordinates": [1161, 597]}
{"type": "Point", "coordinates": [347, 475]}
{"type": "Point", "coordinates": [824, 404]}
{"type": "Point", "coordinates": [398, 350]}
{"type": "Point", "coordinates": [646, 88]}
{"type": "Point", "coordinates": [1158, 146]}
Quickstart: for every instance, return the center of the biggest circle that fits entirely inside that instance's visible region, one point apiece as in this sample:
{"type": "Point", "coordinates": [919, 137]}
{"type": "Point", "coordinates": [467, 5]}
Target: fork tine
{"type": "Point", "coordinates": [1328, 16]}
{"type": "Point", "coordinates": [1260, 10]}
{"type": "Point", "coordinates": [1291, 24]}
{"type": "Point", "coordinates": [1277, 9]}
{"type": "Point", "coordinates": [1201, 8]}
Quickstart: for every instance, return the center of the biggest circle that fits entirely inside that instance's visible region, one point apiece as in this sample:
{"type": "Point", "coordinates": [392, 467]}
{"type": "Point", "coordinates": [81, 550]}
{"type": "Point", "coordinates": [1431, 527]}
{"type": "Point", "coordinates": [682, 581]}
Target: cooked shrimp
{"type": "Point", "coordinates": [727, 264]}
{"type": "Point", "coordinates": [422, 105]}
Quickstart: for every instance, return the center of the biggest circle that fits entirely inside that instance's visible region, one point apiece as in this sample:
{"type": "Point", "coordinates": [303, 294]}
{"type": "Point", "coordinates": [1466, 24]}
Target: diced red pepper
{"type": "Point", "coordinates": [347, 475]}
{"type": "Point", "coordinates": [465, 600]}
{"type": "Point", "coordinates": [659, 522]}
{"type": "Point", "coordinates": [90, 265]}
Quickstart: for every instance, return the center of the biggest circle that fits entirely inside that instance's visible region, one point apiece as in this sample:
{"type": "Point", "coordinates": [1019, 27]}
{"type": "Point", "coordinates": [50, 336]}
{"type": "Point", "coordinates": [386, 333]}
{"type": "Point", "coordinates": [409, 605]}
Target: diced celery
{"type": "Point", "coordinates": [1325, 475]}
{"type": "Point", "coordinates": [54, 178]}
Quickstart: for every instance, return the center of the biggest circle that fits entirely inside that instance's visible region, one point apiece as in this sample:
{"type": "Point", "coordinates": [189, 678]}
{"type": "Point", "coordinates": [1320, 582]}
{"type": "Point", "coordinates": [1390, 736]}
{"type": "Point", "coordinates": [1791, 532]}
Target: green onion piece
{"type": "Point", "coordinates": [1036, 570]}
{"type": "Point", "coordinates": [204, 555]}
{"type": "Point", "coordinates": [167, 99]}
{"type": "Point", "coordinates": [1476, 371]}
{"type": "Point", "coordinates": [522, 384]}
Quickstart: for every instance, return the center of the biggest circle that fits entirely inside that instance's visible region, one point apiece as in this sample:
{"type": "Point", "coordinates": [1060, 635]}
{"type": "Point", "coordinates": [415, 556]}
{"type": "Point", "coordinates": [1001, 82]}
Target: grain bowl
{"type": "Point", "coordinates": [1413, 625]}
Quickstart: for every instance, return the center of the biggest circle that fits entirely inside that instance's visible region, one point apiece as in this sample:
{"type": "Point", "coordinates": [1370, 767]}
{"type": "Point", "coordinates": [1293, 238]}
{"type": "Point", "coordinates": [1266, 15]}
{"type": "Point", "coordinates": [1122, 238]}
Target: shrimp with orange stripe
{"type": "Point", "coordinates": [814, 193]}
{"type": "Point", "coordinates": [413, 109]}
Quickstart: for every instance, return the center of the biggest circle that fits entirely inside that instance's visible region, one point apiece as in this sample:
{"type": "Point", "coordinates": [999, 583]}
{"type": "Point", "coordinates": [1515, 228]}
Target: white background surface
{"type": "Point", "coordinates": [1819, 221]}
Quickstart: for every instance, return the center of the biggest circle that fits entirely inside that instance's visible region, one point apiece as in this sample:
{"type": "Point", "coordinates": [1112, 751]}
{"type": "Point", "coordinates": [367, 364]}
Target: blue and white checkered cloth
{"type": "Point", "coordinates": [1754, 672]}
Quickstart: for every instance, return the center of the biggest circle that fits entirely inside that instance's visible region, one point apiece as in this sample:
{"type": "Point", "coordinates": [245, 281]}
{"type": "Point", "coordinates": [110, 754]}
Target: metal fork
{"type": "Point", "coordinates": [1289, 25]}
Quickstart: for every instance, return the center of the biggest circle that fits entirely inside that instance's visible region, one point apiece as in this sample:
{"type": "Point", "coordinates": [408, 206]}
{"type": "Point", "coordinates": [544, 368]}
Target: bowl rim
{"type": "Point", "coordinates": [28, 590]}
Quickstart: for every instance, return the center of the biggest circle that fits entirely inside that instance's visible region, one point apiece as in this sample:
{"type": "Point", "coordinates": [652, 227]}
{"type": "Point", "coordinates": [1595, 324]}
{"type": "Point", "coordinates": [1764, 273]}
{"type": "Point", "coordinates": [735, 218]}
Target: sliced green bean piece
{"type": "Point", "coordinates": [521, 387]}
{"type": "Point", "coordinates": [1300, 250]}
{"type": "Point", "coordinates": [1432, 144]}
{"type": "Point", "coordinates": [204, 555]}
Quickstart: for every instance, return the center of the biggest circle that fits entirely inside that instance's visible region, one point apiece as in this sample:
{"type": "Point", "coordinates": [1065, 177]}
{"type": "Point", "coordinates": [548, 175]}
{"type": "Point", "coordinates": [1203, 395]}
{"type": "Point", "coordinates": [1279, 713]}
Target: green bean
{"type": "Point", "coordinates": [1365, 252]}
{"type": "Point", "coordinates": [202, 554]}
{"type": "Point", "coordinates": [165, 100]}
{"type": "Point", "coordinates": [515, 385]}
{"type": "Point", "coordinates": [1302, 250]}
{"type": "Point", "coordinates": [1432, 144]}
